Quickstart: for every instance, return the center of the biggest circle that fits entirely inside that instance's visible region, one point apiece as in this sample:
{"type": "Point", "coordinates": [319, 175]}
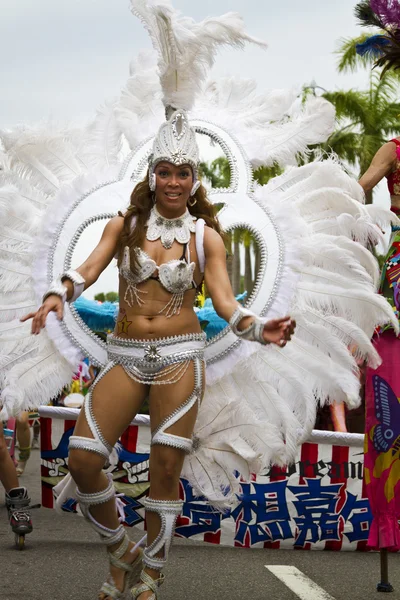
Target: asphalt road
{"type": "Point", "coordinates": [63, 560]}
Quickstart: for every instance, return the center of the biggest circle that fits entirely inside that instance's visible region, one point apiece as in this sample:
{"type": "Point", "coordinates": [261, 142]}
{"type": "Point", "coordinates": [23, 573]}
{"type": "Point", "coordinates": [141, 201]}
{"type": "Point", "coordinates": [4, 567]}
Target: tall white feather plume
{"type": "Point", "coordinates": [282, 142]}
{"type": "Point", "coordinates": [26, 191]}
{"type": "Point", "coordinates": [101, 142]}
{"type": "Point", "coordinates": [24, 390]}
{"type": "Point", "coordinates": [235, 102]}
{"type": "Point", "coordinates": [46, 160]}
{"type": "Point", "coordinates": [38, 163]}
{"type": "Point", "coordinates": [139, 111]}
{"type": "Point", "coordinates": [186, 49]}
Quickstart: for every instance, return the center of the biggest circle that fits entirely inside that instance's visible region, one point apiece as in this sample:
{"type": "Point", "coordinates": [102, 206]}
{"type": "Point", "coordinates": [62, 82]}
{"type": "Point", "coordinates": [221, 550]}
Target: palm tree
{"type": "Point", "coordinates": [218, 174]}
{"type": "Point", "coordinates": [366, 118]}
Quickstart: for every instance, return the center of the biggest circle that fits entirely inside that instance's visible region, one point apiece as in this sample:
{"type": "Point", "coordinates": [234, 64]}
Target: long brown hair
{"type": "Point", "coordinates": [140, 206]}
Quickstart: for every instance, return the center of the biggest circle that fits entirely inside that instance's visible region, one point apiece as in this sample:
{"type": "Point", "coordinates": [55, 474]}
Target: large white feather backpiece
{"type": "Point", "coordinates": [311, 225]}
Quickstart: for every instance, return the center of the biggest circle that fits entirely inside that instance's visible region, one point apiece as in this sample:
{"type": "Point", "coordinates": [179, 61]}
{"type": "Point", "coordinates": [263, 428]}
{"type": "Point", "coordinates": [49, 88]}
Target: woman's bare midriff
{"type": "Point", "coordinates": [146, 322]}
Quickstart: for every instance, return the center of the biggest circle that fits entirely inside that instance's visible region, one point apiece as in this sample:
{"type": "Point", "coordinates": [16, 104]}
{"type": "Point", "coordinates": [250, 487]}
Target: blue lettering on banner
{"type": "Point", "coordinates": [132, 517]}
{"type": "Point", "coordinates": [262, 513]}
{"type": "Point", "coordinates": [203, 518]}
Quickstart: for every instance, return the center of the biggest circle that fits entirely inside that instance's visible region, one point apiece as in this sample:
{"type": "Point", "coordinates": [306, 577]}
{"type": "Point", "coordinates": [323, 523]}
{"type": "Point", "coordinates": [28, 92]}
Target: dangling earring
{"type": "Point", "coordinates": [152, 182]}
{"type": "Point", "coordinates": [195, 187]}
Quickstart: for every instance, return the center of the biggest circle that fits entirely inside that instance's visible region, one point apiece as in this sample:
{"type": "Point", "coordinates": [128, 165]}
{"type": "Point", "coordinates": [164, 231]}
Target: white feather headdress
{"type": "Point", "coordinates": [186, 49]}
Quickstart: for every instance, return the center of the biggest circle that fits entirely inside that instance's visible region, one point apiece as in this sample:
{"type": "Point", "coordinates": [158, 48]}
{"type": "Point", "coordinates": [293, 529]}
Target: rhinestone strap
{"type": "Point", "coordinates": [107, 535]}
{"type": "Point", "coordinates": [166, 341]}
{"type": "Point", "coordinates": [97, 497]}
{"type": "Point", "coordinates": [148, 584]}
{"type": "Point", "coordinates": [168, 511]}
{"type": "Point", "coordinates": [159, 436]}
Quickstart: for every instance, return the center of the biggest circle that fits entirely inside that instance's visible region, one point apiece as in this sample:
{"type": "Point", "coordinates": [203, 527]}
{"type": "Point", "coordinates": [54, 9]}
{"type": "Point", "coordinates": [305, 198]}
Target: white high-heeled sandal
{"type": "Point", "coordinates": [168, 511]}
{"type": "Point", "coordinates": [147, 584]}
{"type": "Point", "coordinates": [110, 537]}
{"type": "Point", "coordinates": [132, 571]}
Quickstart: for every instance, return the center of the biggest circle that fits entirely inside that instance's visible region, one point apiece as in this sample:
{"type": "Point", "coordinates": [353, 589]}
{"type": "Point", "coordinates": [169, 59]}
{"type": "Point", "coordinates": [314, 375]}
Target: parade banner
{"type": "Point", "coordinates": [315, 504]}
{"type": "Point", "coordinates": [382, 444]}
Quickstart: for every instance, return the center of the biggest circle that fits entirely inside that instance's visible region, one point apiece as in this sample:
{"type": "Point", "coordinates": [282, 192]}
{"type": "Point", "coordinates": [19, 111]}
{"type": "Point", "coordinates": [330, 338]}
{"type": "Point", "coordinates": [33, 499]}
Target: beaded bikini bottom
{"type": "Point", "coordinates": [156, 362]}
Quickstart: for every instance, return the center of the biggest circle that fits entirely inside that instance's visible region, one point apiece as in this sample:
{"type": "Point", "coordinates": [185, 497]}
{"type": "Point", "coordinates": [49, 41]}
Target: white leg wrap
{"type": "Point", "coordinates": [168, 439]}
{"type": "Point", "coordinates": [98, 443]}
{"type": "Point", "coordinates": [168, 511]}
{"type": "Point", "coordinates": [108, 536]}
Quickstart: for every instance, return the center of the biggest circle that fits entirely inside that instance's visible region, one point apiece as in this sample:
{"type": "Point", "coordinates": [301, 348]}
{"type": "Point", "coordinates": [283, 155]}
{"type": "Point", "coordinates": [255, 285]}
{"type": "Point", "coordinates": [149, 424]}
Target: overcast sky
{"type": "Point", "coordinates": [61, 59]}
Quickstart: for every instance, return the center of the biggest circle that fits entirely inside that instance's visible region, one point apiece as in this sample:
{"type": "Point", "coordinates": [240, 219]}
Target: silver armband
{"type": "Point", "coordinates": [56, 289]}
{"type": "Point", "coordinates": [252, 333]}
{"type": "Point", "coordinates": [77, 281]}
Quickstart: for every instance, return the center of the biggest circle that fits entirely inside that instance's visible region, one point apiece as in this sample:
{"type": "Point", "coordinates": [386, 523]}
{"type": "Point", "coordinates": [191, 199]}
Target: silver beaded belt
{"type": "Point", "coordinates": [143, 359]}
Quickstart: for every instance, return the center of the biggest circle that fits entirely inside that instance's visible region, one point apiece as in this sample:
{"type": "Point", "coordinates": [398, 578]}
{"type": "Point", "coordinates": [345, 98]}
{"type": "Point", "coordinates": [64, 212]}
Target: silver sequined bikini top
{"type": "Point", "coordinates": [175, 276]}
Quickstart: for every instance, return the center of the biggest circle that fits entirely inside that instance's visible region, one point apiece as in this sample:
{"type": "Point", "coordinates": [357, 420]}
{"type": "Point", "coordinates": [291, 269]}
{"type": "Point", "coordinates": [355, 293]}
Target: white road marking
{"type": "Point", "coordinates": [300, 584]}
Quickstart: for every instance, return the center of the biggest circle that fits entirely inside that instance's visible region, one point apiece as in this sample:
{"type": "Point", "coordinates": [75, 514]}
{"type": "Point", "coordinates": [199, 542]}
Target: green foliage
{"type": "Point", "coordinates": [263, 174]}
{"type": "Point", "coordinates": [108, 297]}
{"type": "Point", "coordinates": [366, 119]}
{"type": "Point", "coordinates": [111, 297]}
{"type": "Point", "coordinates": [218, 172]}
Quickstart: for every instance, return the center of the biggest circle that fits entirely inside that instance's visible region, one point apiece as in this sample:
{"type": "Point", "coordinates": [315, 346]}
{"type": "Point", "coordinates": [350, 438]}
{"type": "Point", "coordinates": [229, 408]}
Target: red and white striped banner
{"type": "Point", "coordinates": [315, 504]}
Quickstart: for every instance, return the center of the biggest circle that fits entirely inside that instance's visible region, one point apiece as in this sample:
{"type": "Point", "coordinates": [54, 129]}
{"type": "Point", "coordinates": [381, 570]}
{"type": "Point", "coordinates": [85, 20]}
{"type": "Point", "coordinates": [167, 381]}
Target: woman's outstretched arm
{"type": "Point", "coordinates": [90, 271]}
{"type": "Point", "coordinates": [382, 164]}
{"type": "Point", "coordinates": [275, 331]}
{"type": "Point", "coordinates": [101, 256]}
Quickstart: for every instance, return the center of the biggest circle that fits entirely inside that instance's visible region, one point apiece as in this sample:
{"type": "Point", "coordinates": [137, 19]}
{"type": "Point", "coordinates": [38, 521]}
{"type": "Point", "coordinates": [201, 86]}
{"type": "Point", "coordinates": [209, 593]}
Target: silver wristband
{"type": "Point", "coordinates": [56, 289]}
{"type": "Point", "coordinates": [77, 281]}
{"type": "Point", "coordinates": [252, 333]}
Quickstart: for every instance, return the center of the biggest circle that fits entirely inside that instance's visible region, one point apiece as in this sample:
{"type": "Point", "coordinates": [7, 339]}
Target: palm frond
{"type": "Point", "coordinates": [351, 104]}
{"type": "Point", "coordinates": [344, 143]}
{"type": "Point", "coordinates": [349, 59]}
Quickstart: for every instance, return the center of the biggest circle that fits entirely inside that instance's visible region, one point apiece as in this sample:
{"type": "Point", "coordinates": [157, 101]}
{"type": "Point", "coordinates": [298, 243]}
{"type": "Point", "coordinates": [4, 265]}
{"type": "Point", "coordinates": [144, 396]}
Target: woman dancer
{"type": "Point", "coordinates": [167, 242]}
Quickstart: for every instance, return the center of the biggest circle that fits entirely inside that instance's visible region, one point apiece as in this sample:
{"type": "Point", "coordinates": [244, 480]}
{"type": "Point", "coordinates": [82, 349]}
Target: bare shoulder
{"type": "Point", "coordinates": [388, 150]}
{"type": "Point", "coordinates": [213, 242]}
{"type": "Point", "coordinates": [114, 226]}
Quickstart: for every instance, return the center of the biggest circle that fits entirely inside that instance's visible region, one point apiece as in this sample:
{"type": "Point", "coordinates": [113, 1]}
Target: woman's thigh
{"type": "Point", "coordinates": [115, 400]}
{"type": "Point", "coordinates": [167, 398]}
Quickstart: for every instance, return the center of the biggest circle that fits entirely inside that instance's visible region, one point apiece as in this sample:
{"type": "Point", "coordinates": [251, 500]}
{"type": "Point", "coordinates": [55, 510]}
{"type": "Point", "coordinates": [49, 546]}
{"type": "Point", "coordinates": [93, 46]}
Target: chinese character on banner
{"type": "Point", "coordinates": [262, 514]}
{"type": "Point", "coordinates": [318, 517]}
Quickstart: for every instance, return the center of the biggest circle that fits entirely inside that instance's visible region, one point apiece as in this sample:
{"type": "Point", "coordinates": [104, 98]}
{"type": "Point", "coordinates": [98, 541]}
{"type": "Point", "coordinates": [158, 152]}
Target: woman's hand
{"type": "Point", "coordinates": [52, 303]}
{"type": "Point", "coordinates": [279, 331]}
